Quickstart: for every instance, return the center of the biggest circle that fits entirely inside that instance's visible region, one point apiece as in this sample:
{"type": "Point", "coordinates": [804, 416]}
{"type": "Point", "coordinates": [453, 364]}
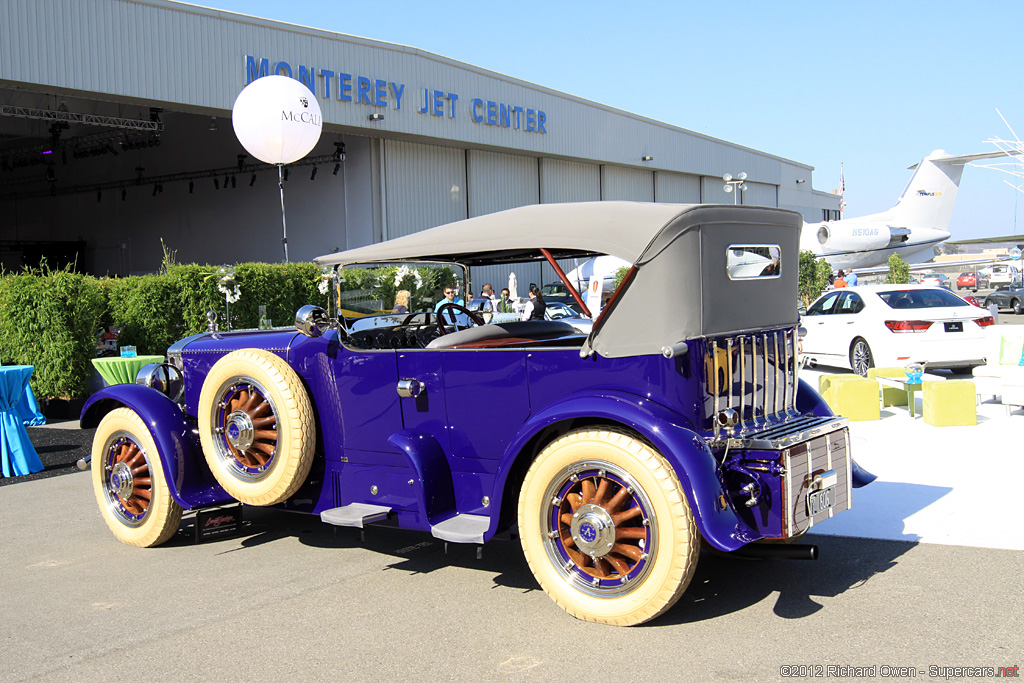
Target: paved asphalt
{"type": "Point", "coordinates": [292, 600]}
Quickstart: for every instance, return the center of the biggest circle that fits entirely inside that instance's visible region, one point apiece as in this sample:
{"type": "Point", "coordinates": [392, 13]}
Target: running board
{"type": "Point", "coordinates": [462, 529]}
{"type": "Point", "coordinates": [356, 514]}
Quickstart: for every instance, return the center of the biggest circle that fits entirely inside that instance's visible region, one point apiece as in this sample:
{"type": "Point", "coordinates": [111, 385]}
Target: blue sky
{"type": "Point", "coordinates": [876, 85]}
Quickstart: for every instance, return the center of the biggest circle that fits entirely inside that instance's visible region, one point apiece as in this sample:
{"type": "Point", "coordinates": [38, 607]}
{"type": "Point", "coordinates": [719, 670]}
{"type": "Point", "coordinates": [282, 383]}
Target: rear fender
{"type": "Point", "coordinates": [177, 441]}
{"type": "Point", "coordinates": [698, 471]}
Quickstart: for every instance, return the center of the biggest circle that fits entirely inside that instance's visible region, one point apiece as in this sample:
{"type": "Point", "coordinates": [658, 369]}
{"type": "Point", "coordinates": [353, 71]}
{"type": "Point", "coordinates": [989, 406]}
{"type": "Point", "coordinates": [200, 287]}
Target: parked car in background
{"type": "Point", "coordinates": [936, 280]}
{"type": "Point", "coordinates": [557, 293]}
{"type": "Point", "coordinates": [565, 314]}
{"type": "Point", "coordinates": [972, 300]}
{"type": "Point", "coordinates": [893, 325]}
{"type": "Point", "coordinates": [1005, 275]}
{"type": "Point", "coordinates": [1007, 297]}
{"type": "Point", "coordinates": [971, 280]}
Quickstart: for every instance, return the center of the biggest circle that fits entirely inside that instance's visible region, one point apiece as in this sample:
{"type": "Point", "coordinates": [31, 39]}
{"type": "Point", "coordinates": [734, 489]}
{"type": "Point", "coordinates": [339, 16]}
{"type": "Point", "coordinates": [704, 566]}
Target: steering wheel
{"type": "Point", "coordinates": [477, 320]}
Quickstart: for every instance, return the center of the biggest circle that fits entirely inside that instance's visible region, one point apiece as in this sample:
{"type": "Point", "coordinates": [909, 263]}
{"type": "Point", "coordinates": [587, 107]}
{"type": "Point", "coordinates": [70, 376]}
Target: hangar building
{"type": "Point", "coordinates": [116, 141]}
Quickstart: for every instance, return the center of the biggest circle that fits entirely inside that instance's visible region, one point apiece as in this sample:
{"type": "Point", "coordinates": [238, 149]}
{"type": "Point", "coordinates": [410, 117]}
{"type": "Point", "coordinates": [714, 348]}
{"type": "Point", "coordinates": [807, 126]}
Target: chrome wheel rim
{"type": "Point", "coordinates": [598, 528]}
{"type": "Point", "coordinates": [127, 479]}
{"type": "Point", "coordinates": [861, 358]}
{"type": "Point", "coordinates": [244, 425]}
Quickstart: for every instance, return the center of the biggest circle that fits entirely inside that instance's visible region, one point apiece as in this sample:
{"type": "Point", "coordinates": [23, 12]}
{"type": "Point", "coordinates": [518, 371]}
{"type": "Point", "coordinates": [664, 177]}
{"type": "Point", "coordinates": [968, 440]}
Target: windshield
{"type": "Point", "coordinates": [921, 298]}
{"type": "Point", "coordinates": [384, 288]}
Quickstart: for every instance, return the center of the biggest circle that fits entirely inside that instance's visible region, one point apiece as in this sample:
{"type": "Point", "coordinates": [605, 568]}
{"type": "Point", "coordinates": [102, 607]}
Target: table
{"type": "Point", "coordinates": [16, 451]}
{"type": "Point", "coordinates": [911, 389]}
{"type": "Point", "coordinates": [122, 370]}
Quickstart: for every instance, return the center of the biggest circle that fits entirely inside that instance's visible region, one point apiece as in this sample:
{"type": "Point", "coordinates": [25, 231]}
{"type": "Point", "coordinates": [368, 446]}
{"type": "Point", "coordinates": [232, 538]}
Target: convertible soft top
{"type": "Point", "coordinates": [682, 288]}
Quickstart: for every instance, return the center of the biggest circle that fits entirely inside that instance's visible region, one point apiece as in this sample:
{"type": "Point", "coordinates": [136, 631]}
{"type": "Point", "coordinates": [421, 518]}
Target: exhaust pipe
{"type": "Point", "coordinates": [778, 551]}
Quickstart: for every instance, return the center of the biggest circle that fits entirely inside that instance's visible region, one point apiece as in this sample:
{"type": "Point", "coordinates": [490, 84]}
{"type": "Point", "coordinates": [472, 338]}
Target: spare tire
{"type": "Point", "coordinates": [256, 427]}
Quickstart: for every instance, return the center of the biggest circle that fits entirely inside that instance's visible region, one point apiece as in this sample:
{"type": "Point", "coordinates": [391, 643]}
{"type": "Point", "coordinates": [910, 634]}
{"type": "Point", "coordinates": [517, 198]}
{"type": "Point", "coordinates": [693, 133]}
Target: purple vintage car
{"type": "Point", "coordinates": [679, 420]}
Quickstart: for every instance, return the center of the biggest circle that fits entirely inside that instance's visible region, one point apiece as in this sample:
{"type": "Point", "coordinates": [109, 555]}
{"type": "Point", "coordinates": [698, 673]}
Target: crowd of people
{"type": "Point", "coordinates": [533, 309]}
{"type": "Point", "coordinates": [841, 279]}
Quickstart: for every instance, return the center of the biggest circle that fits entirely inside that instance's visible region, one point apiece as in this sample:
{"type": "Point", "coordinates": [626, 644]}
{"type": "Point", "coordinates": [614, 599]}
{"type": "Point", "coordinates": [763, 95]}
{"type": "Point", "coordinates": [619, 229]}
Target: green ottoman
{"type": "Point", "coordinates": [950, 403]}
{"type": "Point", "coordinates": [891, 396]}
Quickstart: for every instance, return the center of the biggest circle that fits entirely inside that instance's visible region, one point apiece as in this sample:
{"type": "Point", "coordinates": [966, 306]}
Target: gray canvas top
{"type": "Point", "coordinates": [681, 288]}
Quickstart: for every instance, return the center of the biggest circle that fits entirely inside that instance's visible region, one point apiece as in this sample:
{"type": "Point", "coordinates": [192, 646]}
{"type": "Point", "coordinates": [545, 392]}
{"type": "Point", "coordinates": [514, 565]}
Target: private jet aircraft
{"type": "Point", "coordinates": [918, 222]}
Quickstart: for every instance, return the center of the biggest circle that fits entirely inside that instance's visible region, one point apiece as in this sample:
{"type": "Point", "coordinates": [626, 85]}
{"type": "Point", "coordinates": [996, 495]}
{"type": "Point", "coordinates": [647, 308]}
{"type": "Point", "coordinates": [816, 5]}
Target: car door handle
{"type": "Point", "coordinates": [409, 388]}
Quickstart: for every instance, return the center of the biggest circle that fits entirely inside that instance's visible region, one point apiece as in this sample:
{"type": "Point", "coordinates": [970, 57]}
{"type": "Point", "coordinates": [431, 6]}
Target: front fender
{"type": "Point", "coordinates": [177, 441]}
{"type": "Point", "coordinates": [698, 471]}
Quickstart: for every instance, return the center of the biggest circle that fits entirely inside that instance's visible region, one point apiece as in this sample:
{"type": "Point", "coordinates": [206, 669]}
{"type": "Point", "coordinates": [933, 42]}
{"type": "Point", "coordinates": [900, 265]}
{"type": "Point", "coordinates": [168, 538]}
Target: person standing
{"type": "Point", "coordinates": [851, 279]}
{"type": "Point", "coordinates": [505, 302]}
{"type": "Point", "coordinates": [488, 293]}
{"type": "Point", "coordinates": [840, 282]}
{"type": "Point", "coordinates": [535, 307]}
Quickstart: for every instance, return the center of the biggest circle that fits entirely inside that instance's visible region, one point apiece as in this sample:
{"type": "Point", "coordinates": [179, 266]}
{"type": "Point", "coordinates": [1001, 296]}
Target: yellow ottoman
{"type": "Point", "coordinates": [827, 384]}
{"type": "Point", "coordinates": [856, 399]}
{"type": "Point", "coordinates": [891, 396]}
{"type": "Point", "coordinates": [950, 403]}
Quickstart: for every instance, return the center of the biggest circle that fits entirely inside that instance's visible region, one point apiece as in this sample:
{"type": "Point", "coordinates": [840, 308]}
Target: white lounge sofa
{"type": "Point", "coordinates": [1002, 375]}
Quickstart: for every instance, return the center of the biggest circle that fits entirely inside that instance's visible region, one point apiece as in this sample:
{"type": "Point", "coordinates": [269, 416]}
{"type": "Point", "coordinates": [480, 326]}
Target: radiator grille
{"type": "Point", "coordinates": [754, 375]}
{"type": "Point", "coordinates": [802, 463]}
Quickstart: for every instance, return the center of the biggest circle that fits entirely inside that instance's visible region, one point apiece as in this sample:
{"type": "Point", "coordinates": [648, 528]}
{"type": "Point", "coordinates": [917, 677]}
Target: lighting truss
{"type": "Point", "coordinates": [140, 179]}
{"type": "Point", "coordinates": [87, 119]}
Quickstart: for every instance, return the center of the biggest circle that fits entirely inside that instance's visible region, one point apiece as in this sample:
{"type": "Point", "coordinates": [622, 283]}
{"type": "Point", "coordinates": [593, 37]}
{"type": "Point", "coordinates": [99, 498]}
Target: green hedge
{"type": "Point", "coordinates": [50, 319]}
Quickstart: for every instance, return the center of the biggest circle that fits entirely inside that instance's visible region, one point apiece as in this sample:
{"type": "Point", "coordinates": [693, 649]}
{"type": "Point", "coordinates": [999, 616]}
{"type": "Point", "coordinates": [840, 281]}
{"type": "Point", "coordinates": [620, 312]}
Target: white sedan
{"type": "Point", "coordinates": [894, 325]}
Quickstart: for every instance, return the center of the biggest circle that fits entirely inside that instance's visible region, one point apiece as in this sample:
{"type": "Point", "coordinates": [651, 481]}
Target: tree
{"type": "Point", "coordinates": [814, 272]}
{"type": "Point", "coordinates": [899, 271]}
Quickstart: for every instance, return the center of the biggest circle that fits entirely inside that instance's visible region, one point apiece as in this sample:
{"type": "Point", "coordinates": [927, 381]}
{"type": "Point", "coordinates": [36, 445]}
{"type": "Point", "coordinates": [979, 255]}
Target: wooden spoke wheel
{"type": "Point", "coordinates": [606, 528]}
{"type": "Point", "coordinates": [256, 427]}
{"type": "Point", "coordinates": [129, 481]}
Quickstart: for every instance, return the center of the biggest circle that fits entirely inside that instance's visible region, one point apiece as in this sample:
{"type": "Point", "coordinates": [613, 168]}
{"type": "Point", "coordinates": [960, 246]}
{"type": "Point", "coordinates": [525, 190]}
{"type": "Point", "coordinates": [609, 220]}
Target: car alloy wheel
{"type": "Point", "coordinates": [860, 357]}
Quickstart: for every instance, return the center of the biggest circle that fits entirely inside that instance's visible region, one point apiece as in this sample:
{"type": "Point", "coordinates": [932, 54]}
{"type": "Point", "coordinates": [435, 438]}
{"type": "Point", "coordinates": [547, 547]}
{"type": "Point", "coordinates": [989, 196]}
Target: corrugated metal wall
{"type": "Point", "coordinates": [498, 182]}
{"type": "Point", "coordinates": [569, 181]}
{"type": "Point", "coordinates": [676, 188]}
{"type": "Point", "coordinates": [424, 186]}
{"type": "Point", "coordinates": [633, 184]}
{"type": "Point", "coordinates": [761, 194]}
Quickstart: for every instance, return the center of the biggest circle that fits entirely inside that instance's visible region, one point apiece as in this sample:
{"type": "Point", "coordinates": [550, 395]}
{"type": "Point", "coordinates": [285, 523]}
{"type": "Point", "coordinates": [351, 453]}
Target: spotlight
{"type": "Point", "coordinates": [376, 117]}
{"type": "Point", "coordinates": [233, 183]}
{"type": "Point", "coordinates": [252, 181]}
{"type": "Point", "coordinates": [337, 167]}
{"type": "Point", "coordinates": [312, 176]}
{"type": "Point", "coordinates": [339, 151]}
{"type": "Point", "coordinates": [647, 158]}
{"type": "Point", "coordinates": [155, 187]}
{"type": "Point", "coordinates": [191, 186]}
{"type": "Point", "coordinates": [213, 124]}
{"type": "Point", "coordinates": [216, 184]}
{"type": "Point", "coordinates": [226, 179]}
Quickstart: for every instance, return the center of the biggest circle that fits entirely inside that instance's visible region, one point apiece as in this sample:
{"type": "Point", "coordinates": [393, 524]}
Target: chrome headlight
{"type": "Point", "coordinates": [163, 377]}
{"type": "Point", "coordinates": [312, 321]}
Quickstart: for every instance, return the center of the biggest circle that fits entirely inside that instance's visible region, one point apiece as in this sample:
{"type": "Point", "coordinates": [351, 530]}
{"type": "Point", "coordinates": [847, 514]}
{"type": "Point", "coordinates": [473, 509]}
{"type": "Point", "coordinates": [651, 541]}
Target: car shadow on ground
{"type": "Point", "coordinates": [721, 584]}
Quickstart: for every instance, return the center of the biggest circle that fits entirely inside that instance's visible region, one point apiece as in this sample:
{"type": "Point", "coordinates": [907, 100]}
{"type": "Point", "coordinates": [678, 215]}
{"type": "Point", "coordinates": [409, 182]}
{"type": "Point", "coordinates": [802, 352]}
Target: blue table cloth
{"type": "Point", "coordinates": [28, 409]}
{"type": "Point", "coordinates": [17, 453]}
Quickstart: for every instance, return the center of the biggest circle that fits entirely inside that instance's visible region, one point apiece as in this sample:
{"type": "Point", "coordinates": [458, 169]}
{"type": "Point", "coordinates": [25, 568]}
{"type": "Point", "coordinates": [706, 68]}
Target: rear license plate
{"type": "Point", "coordinates": [955, 327]}
{"type": "Point", "coordinates": [820, 501]}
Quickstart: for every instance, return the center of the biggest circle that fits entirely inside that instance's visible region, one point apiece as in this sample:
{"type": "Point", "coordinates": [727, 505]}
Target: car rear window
{"type": "Point", "coordinates": [920, 298]}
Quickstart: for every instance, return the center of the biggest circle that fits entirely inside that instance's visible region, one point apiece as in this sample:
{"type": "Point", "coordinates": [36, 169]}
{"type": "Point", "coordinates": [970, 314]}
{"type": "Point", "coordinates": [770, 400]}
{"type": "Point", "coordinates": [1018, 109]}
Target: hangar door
{"type": "Point", "coordinates": [676, 188]}
{"type": "Point", "coordinates": [424, 186]}
{"type": "Point", "coordinates": [633, 184]}
{"type": "Point", "coordinates": [498, 182]}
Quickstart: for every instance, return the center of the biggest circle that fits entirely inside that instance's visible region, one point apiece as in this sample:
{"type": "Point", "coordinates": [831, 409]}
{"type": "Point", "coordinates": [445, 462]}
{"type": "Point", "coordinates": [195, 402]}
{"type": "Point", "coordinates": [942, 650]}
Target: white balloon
{"type": "Point", "coordinates": [277, 119]}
